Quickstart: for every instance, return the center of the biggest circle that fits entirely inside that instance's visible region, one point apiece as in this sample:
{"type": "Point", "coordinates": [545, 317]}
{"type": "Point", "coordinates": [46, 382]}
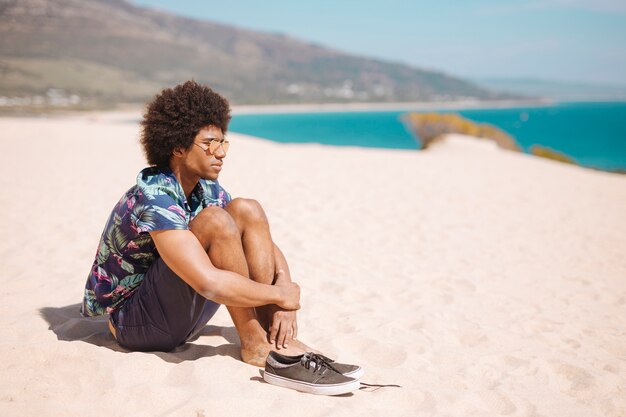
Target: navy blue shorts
{"type": "Point", "coordinates": [162, 314]}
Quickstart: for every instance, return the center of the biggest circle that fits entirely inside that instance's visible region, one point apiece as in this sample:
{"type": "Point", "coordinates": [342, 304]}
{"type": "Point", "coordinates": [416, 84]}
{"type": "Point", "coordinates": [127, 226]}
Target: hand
{"type": "Point", "coordinates": [284, 327]}
{"type": "Point", "coordinates": [290, 293]}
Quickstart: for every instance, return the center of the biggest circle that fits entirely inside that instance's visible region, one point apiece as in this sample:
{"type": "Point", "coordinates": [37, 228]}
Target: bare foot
{"type": "Point", "coordinates": [255, 353]}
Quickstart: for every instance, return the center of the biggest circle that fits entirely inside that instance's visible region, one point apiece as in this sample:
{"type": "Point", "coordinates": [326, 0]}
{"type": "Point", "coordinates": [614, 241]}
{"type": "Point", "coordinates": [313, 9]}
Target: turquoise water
{"type": "Point", "coordinates": [593, 134]}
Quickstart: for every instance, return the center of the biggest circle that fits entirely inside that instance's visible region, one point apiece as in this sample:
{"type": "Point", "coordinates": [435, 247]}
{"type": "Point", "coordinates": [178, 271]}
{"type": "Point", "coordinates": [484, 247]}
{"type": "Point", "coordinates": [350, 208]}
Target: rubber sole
{"type": "Point", "coordinates": [317, 389]}
{"type": "Point", "coordinates": [357, 374]}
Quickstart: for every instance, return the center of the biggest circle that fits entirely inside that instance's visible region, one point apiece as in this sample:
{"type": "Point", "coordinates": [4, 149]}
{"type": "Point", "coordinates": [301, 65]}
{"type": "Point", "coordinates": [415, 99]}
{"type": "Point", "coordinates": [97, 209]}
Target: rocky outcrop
{"type": "Point", "coordinates": [430, 127]}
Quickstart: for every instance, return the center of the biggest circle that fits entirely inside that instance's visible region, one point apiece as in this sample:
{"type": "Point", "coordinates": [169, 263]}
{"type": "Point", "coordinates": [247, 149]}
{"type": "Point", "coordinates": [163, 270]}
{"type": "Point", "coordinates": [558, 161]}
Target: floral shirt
{"type": "Point", "coordinates": [126, 249]}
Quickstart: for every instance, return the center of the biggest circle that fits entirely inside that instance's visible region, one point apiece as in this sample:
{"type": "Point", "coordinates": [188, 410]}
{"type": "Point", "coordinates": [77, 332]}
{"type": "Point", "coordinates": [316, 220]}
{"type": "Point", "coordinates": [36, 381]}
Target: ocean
{"type": "Point", "coordinates": [592, 133]}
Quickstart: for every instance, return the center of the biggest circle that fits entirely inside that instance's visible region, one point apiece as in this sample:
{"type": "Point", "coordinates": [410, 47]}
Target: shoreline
{"type": "Point", "coordinates": [126, 109]}
{"type": "Point", "coordinates": [241, 109]}
{"type": "Point", "coordinates": [394, 106]}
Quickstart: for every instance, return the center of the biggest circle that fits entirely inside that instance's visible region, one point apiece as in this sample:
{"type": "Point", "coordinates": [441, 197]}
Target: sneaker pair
{"type": "Point", "coordinates": [312, 373]}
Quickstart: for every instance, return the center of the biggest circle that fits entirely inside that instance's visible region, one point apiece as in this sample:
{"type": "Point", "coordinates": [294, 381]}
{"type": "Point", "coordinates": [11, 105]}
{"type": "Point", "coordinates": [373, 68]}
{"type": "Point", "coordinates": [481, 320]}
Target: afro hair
{"type": "Point", "coordinates": [175, 116]}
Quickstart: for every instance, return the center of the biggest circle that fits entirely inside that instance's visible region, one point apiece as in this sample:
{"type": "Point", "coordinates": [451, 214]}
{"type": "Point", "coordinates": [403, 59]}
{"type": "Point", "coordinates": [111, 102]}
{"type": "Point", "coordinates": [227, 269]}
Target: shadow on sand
{"type": "Point", "coordinates": [68, 325]}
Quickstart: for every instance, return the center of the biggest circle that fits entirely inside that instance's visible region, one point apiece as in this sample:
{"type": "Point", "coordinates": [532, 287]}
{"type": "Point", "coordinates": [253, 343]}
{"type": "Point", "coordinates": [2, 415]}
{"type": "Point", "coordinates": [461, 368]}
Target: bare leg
{"type": "Point", "coordinates": [218, 233]}
{"type": "Point", "coordinates": [258, 247]}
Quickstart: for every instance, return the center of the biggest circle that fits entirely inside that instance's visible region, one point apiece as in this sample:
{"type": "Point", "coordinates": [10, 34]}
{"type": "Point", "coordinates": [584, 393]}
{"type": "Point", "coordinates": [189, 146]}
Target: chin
{"type": "Point", "coordinates": [212, 176]}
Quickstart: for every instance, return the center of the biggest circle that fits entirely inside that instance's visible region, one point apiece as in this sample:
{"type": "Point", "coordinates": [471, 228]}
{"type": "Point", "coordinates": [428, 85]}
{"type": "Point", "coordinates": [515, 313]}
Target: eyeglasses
{"type": "Point", "coordinates": [214, 145]}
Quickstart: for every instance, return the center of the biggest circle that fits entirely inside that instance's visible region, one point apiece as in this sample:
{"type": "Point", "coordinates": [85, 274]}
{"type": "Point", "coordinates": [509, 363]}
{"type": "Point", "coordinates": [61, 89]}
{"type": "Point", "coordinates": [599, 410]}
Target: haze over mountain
{"type": "Point", "coordinates": [554, 89]}
{"type": "Point", "coordinates": [110, 51]}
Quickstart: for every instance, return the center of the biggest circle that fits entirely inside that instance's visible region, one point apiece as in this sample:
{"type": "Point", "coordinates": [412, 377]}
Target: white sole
{"type": "Point", "coordinates": [357, 374]}
{"type": "Point", "coordinates": [317, 389]}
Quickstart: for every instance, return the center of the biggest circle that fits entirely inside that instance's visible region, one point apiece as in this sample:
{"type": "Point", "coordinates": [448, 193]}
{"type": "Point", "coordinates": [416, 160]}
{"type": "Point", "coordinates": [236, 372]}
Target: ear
{"type": "Point", "coordinates": [178, 153]}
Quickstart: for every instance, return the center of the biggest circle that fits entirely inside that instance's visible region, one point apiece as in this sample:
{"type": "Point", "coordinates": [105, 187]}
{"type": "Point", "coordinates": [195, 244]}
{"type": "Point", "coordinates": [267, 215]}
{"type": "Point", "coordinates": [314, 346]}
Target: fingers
{"type": "Point", "coordinates": [274, 328]}
{"type": "Point", "coordinates": [280, 334]}
{"type": "Point", "coordinates": [282, 337]}
{"type": "Point", "coordinates": [295, 329]}
{"type": "Point", "coordinates": [291, 332]}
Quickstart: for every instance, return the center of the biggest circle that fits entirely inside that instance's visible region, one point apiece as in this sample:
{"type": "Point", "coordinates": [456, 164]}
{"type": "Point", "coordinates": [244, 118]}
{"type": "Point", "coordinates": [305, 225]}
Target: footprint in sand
{"type": "Point", "coordinates": [614, 369]}
{"type": "Point", "coordinates": [495, 402]}
{"type": "Point", "coordinates": [464, 285]}
{"type": "Point", "coordinates": [519, 366]}
{"type": "Point", "coordinates": [470, 334]}
{"type": "Point", "coordinates": [572, 380]}
{"type": "Point", "coordinates": [575, 344]}
{"type": "Point", "coordinates": [484, 375]}
{"type": "Point", "coordinates": [472, 339]}
{"type": "Point", "coordinates": [425, 402]}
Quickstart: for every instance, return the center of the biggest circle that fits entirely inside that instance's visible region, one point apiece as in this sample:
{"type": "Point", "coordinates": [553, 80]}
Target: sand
{"type": "Point", "coordinates": [484, 282]}
{"type": "Point", "coordinates": [389, 106]}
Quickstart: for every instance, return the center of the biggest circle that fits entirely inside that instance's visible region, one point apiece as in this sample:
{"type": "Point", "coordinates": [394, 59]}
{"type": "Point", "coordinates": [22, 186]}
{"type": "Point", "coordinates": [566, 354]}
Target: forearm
{"type": "Point", "coordinates": [231, 289]}
{"type": "Point", "coordinates": [183, 253]}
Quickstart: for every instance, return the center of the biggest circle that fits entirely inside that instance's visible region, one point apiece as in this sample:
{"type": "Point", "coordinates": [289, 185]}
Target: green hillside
{"type": "Point", "coordinates": [109, 51]}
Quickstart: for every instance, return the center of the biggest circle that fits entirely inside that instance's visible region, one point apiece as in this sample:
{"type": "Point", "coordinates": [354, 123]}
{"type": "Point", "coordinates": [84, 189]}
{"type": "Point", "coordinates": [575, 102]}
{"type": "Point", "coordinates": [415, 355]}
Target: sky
{"type": "Point", "coordinates": [561, 40]}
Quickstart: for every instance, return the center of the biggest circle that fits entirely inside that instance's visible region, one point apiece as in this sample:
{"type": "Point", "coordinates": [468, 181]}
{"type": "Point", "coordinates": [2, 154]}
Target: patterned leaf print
{"type": "Point", "coordinates": [144, 218]}
{"type": "Point", "coordinates": [130, 202]}
{"type": "Point", "coordinates": [144, 260]}
{"type": "Point", "coordinates": [156, 191]}
{"type": "Point", "coordinates": [142, 256]}
{"type": "Point", "coordinates": [177, 210]}
{"type": "Point", "coordinates": [169, 215]}
{"type": "Point", "coordinates": [126, 266]}
{"type": "Point", "coordinates": [163, 181]}
{"type": "Point", "coordinates": [103, 253]}
{"type": "Point", "coordinates": [157, 202]}
{"type": "Point", "coordinates": [114, 280]}
{"type": "Point", "coordinates": [116, 240]}
{"type": "Point", "coordinates": [90, 306]}
{"type": "Point", "coordinates": [143, 240]}
{"type": "Point", "coordinates": [132, 281]}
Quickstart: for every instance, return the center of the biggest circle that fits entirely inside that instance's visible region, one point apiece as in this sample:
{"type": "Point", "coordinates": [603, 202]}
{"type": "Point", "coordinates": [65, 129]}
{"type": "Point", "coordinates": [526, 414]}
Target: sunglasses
{"type": "Point", "coordinates": [214, 145]}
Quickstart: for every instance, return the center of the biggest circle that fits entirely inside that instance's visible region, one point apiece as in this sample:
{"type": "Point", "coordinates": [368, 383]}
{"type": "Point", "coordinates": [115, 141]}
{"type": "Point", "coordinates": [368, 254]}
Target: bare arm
{"type": "Point", "coordinates": [184, 254]}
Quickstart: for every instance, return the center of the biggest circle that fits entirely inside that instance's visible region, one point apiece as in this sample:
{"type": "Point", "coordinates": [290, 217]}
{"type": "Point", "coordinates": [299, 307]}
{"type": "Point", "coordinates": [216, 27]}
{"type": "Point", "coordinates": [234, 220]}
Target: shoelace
{"type": "Point", "coordinates": [321, 362]}
{"type": "Point", "coordinates": [325, 358]}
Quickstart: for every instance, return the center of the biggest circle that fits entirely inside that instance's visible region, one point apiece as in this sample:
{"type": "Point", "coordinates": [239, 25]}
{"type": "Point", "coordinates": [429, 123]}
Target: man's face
{"type": "Point", "coordinates": [205, 157]}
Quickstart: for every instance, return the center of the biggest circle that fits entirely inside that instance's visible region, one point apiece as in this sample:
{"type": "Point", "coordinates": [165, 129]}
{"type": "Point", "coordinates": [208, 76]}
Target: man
{"type": "Point", "coordinates": [176, 246]}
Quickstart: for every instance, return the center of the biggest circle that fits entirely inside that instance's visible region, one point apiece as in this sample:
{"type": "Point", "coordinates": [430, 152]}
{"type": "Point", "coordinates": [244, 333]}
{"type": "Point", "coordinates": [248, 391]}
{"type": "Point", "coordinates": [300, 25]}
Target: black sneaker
{"type": "Point", "coordinates": [352, 371]}
{"type": "Point", "coordinates": [307, 373]}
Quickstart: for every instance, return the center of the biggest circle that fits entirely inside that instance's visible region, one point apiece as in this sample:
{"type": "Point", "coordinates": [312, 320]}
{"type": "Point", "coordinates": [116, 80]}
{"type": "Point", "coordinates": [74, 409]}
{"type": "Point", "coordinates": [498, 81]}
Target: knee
{"type": "Point", "coordinates": [214, 222]}
{"type": "Point", "coordinates": [246, 210]}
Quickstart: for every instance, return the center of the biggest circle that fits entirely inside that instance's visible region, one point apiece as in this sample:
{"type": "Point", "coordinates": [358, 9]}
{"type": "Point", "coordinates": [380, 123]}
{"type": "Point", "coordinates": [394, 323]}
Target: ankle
{"type": "Point", "coordinates": [252, 339]}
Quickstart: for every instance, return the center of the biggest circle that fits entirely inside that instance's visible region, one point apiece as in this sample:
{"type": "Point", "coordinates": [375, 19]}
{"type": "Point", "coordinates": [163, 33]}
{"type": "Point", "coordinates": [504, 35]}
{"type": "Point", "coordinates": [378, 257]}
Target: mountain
{"type": "Point", "coordinates": [111, 51]}
{"type": "Point", "coordinates": [558, 90]}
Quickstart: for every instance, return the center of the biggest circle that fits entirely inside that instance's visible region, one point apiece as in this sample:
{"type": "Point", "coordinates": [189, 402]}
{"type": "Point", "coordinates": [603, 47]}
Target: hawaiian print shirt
{"type": "Point", "coordinates": [126, 249]}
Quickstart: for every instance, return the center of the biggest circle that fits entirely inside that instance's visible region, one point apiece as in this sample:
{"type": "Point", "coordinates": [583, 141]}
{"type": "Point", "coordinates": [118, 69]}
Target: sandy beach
{"type": "Point", "coordinates": [404, 106]}
{"type": "Point", "coordinates": [483, 282]}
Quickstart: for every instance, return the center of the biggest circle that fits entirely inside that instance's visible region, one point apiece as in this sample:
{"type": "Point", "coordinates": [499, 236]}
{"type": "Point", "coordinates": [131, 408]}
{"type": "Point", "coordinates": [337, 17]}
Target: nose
{"type": "Point", "coordinates": [219, 152]}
